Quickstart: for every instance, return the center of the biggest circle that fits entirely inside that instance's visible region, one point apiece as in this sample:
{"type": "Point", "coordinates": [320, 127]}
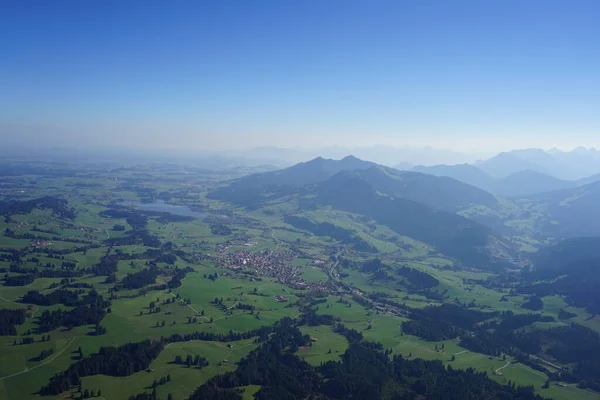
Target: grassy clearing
{"type": "Point", "coordinates": [313, 274]}
{"type": "Point", "coordinates": [327, 346]}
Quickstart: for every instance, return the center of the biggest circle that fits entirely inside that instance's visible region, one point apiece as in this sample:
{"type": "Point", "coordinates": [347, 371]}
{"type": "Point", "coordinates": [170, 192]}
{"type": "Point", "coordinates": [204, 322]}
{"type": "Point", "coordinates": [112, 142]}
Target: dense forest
{"type": "Point", "coordinates": [29, 275]}
{"type": "Point", "coordinates": [121, 361]}
{"type": "Point", "coordinates": [8, 320]}
{"type": "Point", "coordinates": [138, 234]}
{"type": "Point", "coordinates": [443, 322]}
{"type": "Point", "coordinates": [577, 281]}
{"type": "Point", "coordinates": [220, 229]}
{"type": "Point", "coordinates": [365, 371]}
{"type": "Point", "coordinates": [89, 310]}
{"type": "Point", "coordinates": [178, 276]}
{"type": "Point", "coordinates": [19, 280]}
{"type": "Point", "coordinates": [140, 279]}
{"type": "Point", "coordinates": [56, 205]}
{"type": "Point", "coordinates": [418, 279]}
{"type": "Point", "coordinates": [569, 269]}
{"type": "Point", "coordinates": [60, 296]}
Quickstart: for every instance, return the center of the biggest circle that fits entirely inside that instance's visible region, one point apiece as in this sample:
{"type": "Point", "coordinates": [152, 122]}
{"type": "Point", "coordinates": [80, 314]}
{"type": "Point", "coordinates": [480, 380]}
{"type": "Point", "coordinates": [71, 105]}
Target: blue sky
{"type": "Point", "coordinates": [465, 75]}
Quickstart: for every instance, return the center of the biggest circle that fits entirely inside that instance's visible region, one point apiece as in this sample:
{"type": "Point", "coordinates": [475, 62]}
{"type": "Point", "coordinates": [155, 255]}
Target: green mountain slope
{"type": "Point", "coordinates": [451, 234]}
{"type": "Point", "coordinates": [571, 212]}
{"type": "Point", "coordinates": [438, 192]}
{"type": "Point", "coordinates": [441, 193]}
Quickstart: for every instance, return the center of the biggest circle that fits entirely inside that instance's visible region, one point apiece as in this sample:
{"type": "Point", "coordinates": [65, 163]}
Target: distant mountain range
{"type": "Point", "coordinates": [576, 165]}
{"type": "Point", "coordinates": [505, 164]}
{"type": "Point", "coordinates": [385, 155]}
{"type": "Point", "coordinates": [442, 193]}
{"type": "Point", "coordinates": [525, 172]}
{"type": "Point", "coordinates": [519, 183]}
{"type": "Point", "coordinates": [566, 165]}
{"type": "Point", "coordinates": [512, 173]}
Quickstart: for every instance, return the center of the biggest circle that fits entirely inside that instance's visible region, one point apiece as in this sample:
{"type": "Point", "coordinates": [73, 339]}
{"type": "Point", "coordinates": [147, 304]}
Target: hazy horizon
{"type": "Point", "coordinates": [473, 77]}
{"type": "Point", "coordinates": [587, 160]}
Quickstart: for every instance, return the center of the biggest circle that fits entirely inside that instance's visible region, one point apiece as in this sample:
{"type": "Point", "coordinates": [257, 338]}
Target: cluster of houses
{"type": "Point", "coordinates": [40, 243]}
{"type": "Point", "coordinates": [271, 263]}
{"type": "Point", "coordinates": [21, 224]}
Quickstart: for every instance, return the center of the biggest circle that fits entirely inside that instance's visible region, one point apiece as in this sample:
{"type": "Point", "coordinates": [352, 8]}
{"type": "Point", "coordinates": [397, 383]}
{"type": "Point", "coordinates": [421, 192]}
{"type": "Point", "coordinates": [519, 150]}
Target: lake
{"type": "Point", "coordinates": [161, 206]}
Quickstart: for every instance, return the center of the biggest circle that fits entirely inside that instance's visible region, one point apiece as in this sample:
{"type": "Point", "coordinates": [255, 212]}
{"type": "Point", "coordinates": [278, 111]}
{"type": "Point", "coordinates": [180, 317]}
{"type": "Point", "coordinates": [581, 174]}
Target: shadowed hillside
{"type": "Point", "coordinates": [451, 234]}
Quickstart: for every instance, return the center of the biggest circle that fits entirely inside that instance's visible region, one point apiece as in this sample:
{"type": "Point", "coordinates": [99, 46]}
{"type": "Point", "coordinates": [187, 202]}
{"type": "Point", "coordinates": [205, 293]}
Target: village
{"type": "Point", "coordinates": [270, 263]}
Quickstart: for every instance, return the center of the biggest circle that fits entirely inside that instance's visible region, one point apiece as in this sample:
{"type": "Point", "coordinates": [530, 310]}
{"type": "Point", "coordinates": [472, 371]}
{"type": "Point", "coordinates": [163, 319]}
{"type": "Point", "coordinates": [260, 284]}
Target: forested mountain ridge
{"type": "Point", "coordinates": [441, 193]}
{"type": "Point", "coordinates": [551, 260]}
{"type": "Point", "coordinates": [569, 268]}
{"type": "Point", "coordinates": [259, 187]}
{"type": "Point", "coordinates": [438, 192]}
{"type": "Point", "coordinates": [313, 171]}
{"type": "Point", "coordinates": [451, 234]}
{"type": "Point", "coordinates": [570, 213]}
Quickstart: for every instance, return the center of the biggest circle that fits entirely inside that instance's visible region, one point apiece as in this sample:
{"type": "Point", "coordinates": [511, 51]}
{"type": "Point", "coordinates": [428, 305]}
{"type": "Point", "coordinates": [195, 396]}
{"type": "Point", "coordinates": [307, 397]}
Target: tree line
{"type": "Point", "coordinates": [8, 320]}
{"type": "Point", "coordinates": [89, 311]}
